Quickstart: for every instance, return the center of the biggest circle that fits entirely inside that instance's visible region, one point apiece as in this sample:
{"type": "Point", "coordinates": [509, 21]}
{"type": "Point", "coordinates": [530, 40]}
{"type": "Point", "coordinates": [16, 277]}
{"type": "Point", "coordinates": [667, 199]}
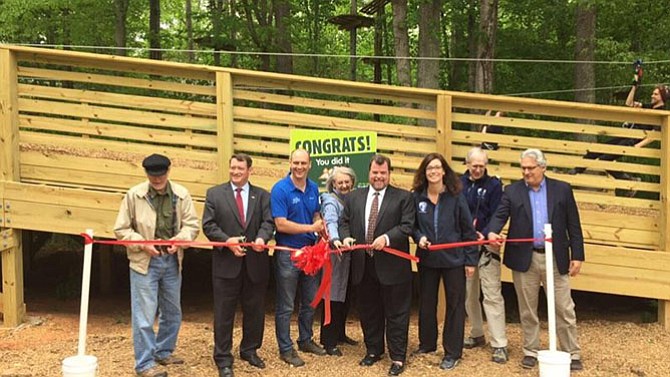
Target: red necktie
{"type": "Point", "coordinates": [240, 205]}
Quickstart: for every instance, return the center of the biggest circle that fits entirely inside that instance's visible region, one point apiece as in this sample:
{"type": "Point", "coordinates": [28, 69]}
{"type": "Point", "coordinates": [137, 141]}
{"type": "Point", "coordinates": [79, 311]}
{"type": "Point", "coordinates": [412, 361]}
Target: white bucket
{"type": "Point", "coordinates": [80, 366]}
{"type": "Point", "coordinates": [554, 363]}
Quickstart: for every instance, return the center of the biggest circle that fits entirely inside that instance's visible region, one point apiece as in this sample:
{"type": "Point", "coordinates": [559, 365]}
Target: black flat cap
{"type": "Point", "coordinates": [156, 164]}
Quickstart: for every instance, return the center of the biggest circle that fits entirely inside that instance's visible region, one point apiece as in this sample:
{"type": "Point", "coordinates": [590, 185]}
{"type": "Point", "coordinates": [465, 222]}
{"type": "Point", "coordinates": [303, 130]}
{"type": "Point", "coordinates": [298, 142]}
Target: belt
{"type": "Point", "coordinates": [538, 250]}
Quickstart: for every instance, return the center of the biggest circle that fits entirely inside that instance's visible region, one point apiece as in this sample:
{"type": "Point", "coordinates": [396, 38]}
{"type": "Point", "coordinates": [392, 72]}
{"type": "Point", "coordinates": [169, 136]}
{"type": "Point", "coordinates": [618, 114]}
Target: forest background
{"type": "Point", "coordinates": [575, 50]}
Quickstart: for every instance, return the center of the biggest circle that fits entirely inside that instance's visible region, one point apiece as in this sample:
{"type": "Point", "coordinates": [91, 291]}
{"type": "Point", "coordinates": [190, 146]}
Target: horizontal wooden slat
{"type": "Point", "coordinates": [560, 160]}
{"type": "Point", "coordinates": [554, 126]}
{"type": "Point", "coordinates": [326, 122]}
{"type": "Point", "coordinates": [116, 115]}
{"type": "Point", "coordinates": [104, 173]}
{"type": "Point", "coordinates": [112, 62]}
{"type": "Point", "coordinates": [621, 271]}
{"type": "Point", "coordinates": [121, 100]}
{"type": "Point", "coordinates": [91, 147]}
{"type": "Point", "coordinates": [348, 106]}
{"type": "Point", "coordinates": [585, 180]}
{"type": "Point", "coordinates": [575, 147]}
{"type": "Point", "coordinates": [93, 78]}
{"type": "Point", "coordinates": [619, 220]}
{"type": "Point", "coordinates": [249, 79]}
{"type": "Point", "coordinates": [107, 130]}
{"type": "Point", "coordinates": [479, 101]}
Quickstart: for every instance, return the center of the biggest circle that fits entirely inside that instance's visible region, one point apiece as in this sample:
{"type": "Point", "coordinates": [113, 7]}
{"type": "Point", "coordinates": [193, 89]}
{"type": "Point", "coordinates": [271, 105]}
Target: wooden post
{"type": "Point", "coordinates": [13, 307]}
{"type": "Point", "coordinates": [443, 122]}
{"type": "Point", "coordinates": [443, 146]}
{"type": "Point", "coordinates": [664, 221]}
{"type": "Point", "coordinates": [224, 122]}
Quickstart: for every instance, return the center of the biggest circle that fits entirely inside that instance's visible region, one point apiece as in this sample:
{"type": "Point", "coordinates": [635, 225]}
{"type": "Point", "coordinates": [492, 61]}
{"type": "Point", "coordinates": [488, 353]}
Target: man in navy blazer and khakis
{"type": "Point", "coordinates": [529, 204]}
{"type": "Point", "coordinates": [236, 212]}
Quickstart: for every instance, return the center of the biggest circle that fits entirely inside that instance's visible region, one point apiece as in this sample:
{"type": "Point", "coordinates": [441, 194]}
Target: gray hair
{"type": "Point", "coordinates": [476, 151]}
{"type": "Point", "coordinates": [340, 170]}
{"type": "Point", "coordinates": [536, 155]}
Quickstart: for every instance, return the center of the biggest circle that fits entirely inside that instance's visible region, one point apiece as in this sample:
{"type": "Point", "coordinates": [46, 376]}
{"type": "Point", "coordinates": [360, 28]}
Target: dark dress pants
{"type": "Point", "coordinates": [454, 321]}
{"type": "Point", "coordinates": [330, 334]}
{"type": "Point", "coordinates": [227, 293]}
{"type": "Point", "coordinates": [384, 310]}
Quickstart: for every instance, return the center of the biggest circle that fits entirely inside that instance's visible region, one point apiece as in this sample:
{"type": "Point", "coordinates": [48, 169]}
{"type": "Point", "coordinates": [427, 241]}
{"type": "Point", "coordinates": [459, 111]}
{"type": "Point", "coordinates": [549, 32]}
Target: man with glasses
{"type": "Point", "coordinates": [529, 204]}
{"type": "Point", "coordinates": [483, 194]}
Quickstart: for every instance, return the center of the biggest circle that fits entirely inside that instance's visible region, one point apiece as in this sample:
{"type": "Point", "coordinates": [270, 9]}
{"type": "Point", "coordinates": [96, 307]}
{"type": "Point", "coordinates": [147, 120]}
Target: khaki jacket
{"type": "Point", "coordinates": [136, 221]}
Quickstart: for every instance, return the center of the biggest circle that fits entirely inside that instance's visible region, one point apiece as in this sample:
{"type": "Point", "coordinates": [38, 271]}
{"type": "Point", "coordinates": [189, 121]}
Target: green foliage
{"type": "Point", "coordinates": [527, 29]}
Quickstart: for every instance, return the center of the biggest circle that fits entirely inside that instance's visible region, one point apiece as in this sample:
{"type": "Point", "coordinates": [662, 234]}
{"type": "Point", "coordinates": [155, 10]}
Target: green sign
{"type": "Point", "coordinates": [328, 149]}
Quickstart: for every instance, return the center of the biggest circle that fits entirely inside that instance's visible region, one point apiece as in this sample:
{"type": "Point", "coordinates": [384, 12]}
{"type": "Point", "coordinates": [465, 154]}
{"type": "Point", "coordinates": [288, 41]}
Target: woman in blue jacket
{"type": "Point", "coordinates": [340, 182]}
{"type": "Point", "coordinates": [442, 216]}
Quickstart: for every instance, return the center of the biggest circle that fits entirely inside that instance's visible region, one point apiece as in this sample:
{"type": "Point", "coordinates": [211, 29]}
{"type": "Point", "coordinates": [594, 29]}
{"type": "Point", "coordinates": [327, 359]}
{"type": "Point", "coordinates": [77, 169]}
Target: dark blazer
{"type": "Point", "coordinates": [221, 221]}
{"type": "Point", "coordinates": [454, 225]}
{"type": "Point", "coordinates": [568, 242]}
{"type": "Point", "coordinates": [395, 219]}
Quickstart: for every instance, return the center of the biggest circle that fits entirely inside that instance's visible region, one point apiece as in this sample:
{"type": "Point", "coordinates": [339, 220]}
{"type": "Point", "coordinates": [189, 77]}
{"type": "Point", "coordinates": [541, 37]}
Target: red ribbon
{"type": "Point", "coordinates": [310, 259]}
{"type": "Point", "coordinates": [454, 245]}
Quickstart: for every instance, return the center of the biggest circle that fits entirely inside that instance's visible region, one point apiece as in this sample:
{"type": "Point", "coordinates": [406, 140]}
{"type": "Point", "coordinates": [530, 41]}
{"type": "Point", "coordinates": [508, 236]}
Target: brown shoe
{"type": "Point", "coordinates": [154, 371]}
{"type": "Point", "coordinates": [172, 359]}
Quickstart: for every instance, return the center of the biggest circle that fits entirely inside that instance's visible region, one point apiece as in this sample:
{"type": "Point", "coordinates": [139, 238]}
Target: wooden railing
{"type": "Point", "coordinates": [76, 126]}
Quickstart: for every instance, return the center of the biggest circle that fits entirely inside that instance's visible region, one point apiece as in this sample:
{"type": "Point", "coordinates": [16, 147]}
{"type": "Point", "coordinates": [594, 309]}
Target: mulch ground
{"type": "Point", "coordinates": [612, 346]}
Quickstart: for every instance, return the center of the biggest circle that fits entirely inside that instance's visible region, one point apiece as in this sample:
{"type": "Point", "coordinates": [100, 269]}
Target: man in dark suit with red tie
{"type": "Point", "coordinates": [381, 215]}
{"type": "Point", "coordinates": [236, 212]}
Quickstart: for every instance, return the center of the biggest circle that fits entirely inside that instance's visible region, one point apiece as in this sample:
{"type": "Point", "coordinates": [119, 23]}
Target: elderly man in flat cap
{"type": "Point", "coordinates": [157, 209]}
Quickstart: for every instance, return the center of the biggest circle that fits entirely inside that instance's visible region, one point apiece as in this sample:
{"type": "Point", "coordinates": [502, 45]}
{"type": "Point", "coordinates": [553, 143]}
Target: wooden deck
{"type": "Point", "coordinates": [74, 128]}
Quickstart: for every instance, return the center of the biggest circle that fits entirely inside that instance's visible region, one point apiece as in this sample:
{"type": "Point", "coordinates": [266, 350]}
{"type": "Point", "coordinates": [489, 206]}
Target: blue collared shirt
{"type": "Point", "coordinates": [540, 214]}
{"type": "Point", "coordinates": [289, 202]}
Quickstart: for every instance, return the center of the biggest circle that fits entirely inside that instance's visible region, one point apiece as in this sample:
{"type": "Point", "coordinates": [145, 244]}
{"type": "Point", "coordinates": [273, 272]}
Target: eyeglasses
{"type": "Point", "coordinates": [433, 168]}
{"type": "Point", "coordinates": [529, 168]}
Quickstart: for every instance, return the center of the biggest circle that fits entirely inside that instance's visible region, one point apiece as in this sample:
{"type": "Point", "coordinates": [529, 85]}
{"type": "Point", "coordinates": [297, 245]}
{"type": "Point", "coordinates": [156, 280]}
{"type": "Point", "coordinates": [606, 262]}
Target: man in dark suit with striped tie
{"type": "Point", "coordinates": [381, 215]}
{"type": "Point", "coordinates": [236, 211]}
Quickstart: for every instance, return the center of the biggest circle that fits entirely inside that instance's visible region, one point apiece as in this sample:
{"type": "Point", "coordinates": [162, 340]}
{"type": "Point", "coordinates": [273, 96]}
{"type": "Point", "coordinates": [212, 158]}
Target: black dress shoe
{"type": "Point", "coordinates": [528, 362]}
{"type": "Point", "coordinates": [348, 340]}
{"type": "Point", "coordinates": [369, 360]}
{"type": "Point", "coordinates": [396, 369]}
{"type": "Point", "coordinates": [226, 372]}
{"type": "Point", "coordinates": [333, 351]}
{"type": "Point", "coordinates": [576, 365]}
{"type": "Point", "coordinates": [422, 351]}
{"type": "Point", "coordinates": [253, 360]}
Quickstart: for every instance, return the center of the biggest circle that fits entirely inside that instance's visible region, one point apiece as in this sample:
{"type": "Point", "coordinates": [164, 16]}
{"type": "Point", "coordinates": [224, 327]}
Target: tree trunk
{"type": "Point", "coordinates": [472, 44]}
{"type": "Point", "coordinates": [585, 77]}
{"type": "Point", "coordinates": [259, 13]}
{"type": "Point", "coordinates": [352, 44]}
{"type": "Point", "coordinates": [216, 17]}
{"type": "Point", "coordinates": [155, 30]}
{"type": "Point", "coordinates": [428, 71]}
{"type": "Point", "coordinates": [120, 38]}
{"type": "Point", "coordinates": [189, 31]}
{"type": "Point", "coordinates": [282, 14]}
{"type": "Point", "coordinates": [233, 32]}
{"type": "Point", "coordinates": [401, 42]}
{"type": "Point", "coordinates": [488, 25]}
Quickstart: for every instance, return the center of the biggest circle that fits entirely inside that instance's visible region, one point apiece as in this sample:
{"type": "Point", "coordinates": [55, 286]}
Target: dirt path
{"type": "Point", "coordinates": [610, 347]}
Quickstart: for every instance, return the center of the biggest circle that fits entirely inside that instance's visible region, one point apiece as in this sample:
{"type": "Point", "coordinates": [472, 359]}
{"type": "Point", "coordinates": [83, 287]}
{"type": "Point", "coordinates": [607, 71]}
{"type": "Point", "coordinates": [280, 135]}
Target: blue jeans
{"type": "Point", "coordinates": [289, 278]}
{"type": "Point", "coordinates": [157, 292]}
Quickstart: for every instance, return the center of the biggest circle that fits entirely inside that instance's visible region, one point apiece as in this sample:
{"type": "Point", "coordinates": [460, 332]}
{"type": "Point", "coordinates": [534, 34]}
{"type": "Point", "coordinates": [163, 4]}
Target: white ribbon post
{"type": "Point", "coordinates": [551, 299]}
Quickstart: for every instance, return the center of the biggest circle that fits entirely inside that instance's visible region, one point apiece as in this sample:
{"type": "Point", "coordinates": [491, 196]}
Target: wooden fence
{"type": "Point", "coordinates": [74, 128]}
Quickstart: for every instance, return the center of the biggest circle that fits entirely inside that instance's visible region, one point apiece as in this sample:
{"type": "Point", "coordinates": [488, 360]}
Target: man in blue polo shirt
{"type": "Point", "coordinates": [295, 208]}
